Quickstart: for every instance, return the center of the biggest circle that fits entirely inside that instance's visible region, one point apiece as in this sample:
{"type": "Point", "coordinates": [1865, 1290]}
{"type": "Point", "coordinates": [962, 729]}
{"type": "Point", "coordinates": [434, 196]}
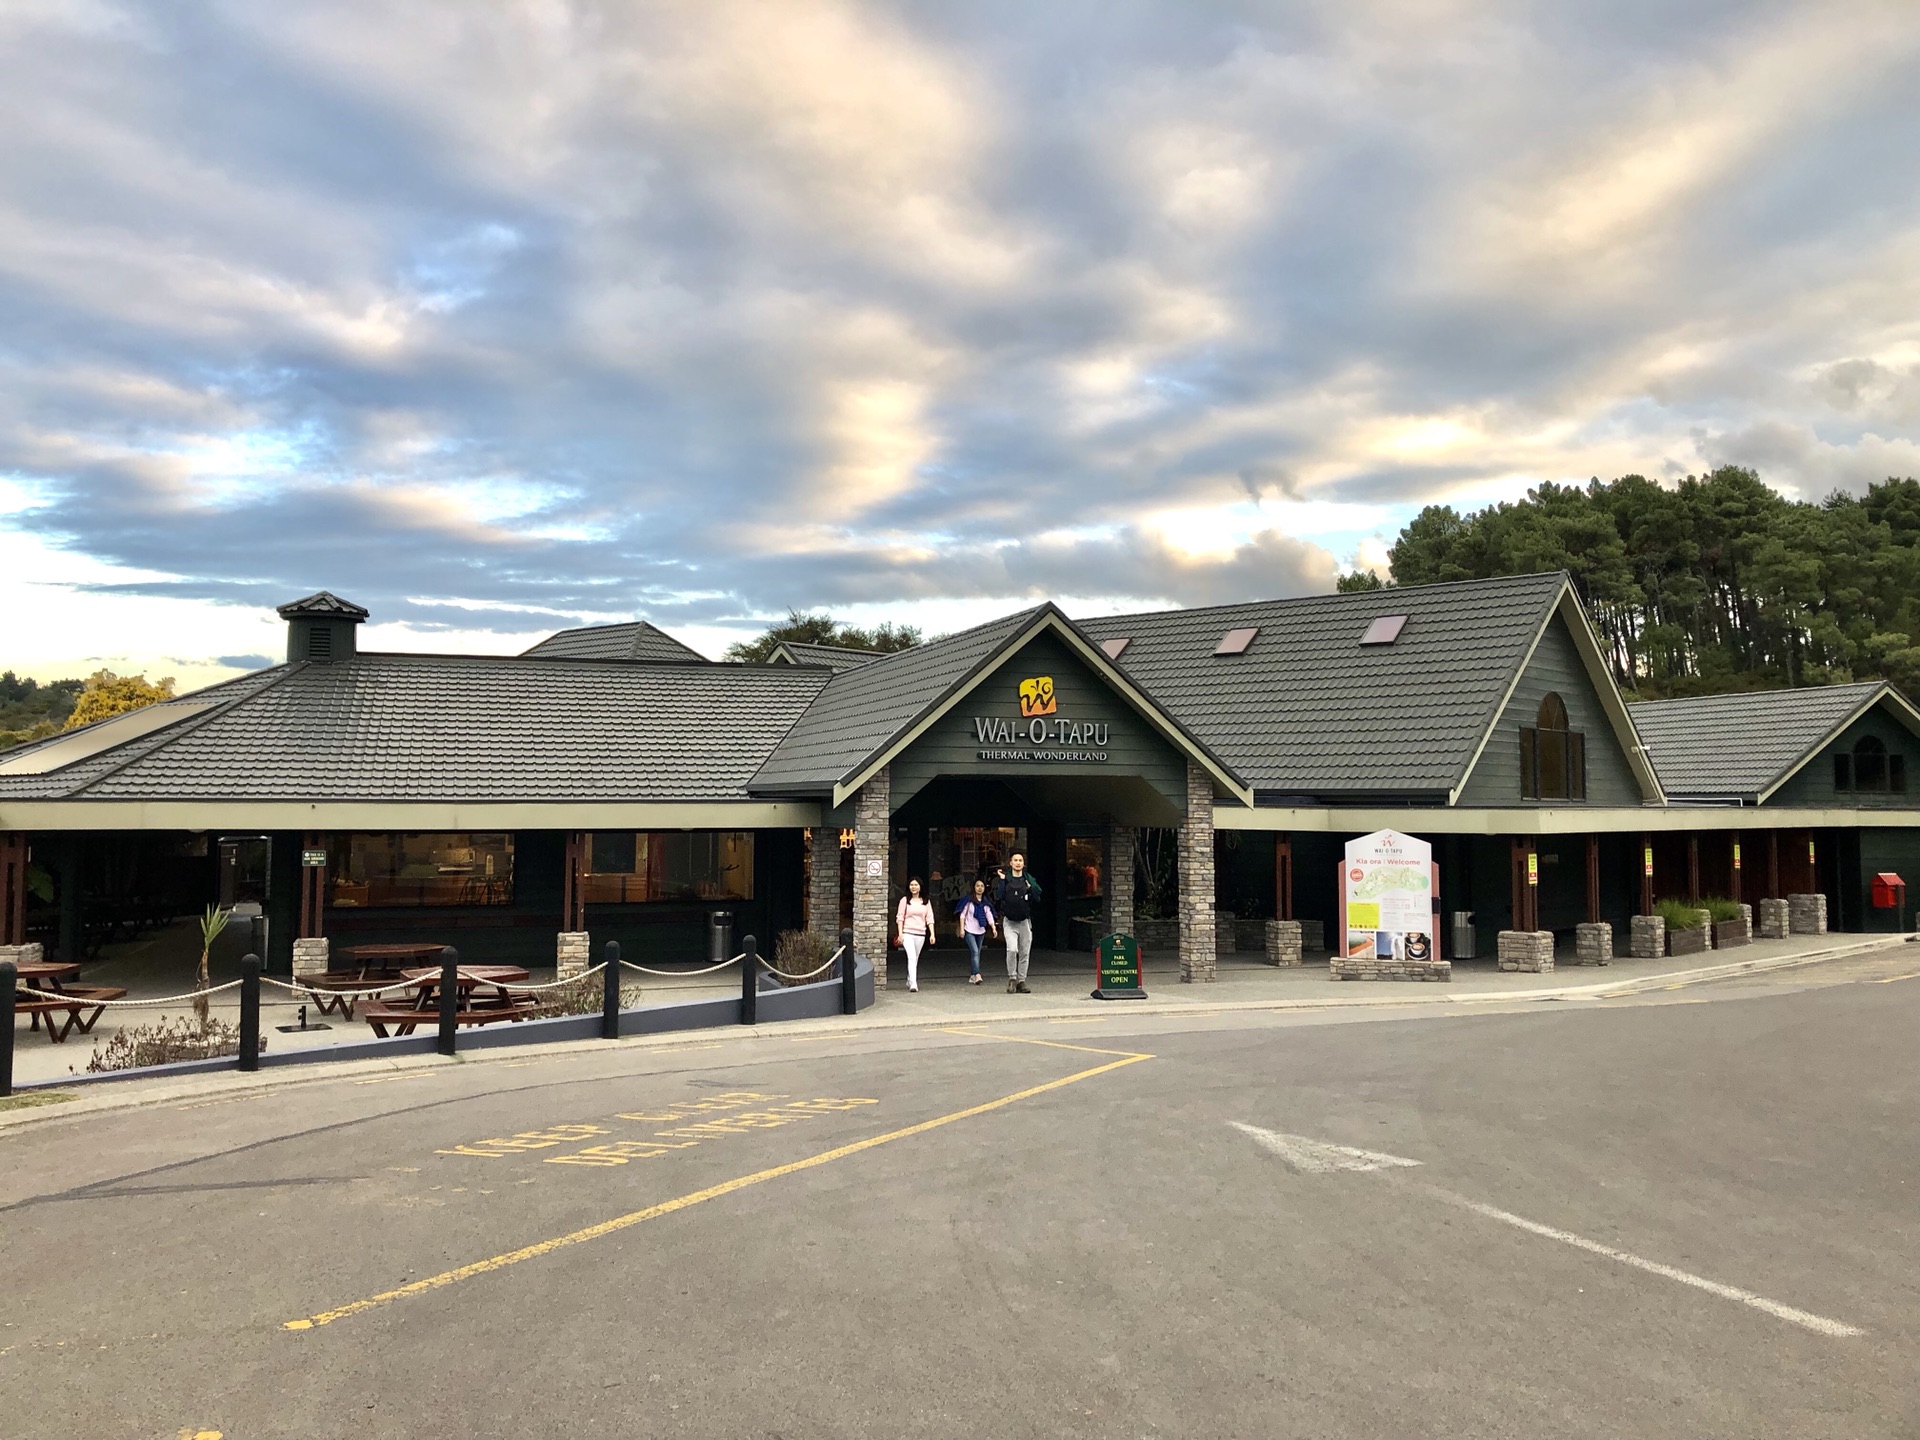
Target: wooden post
{"type": "Point", "coordinates": [1693, 865]}
{"type": "Point", "coordinates": [1735, 897]}
{"type": "Point", "coordinates": [1773, 864]}
{"type": "Point", "coordinates": [573, 904]}
{"type": "Point", "coordinates": [313, 889]}
{"type": "Point", "coordinates": [1526, 886]}
{"type": "Point", "coordinates": [13, 888]}
{"type": "Point", "coordinates": [1646, 873]}
{"type": "Point", "coordinates": [1593, 879]}
{"type": "Point", "coordinates": [1283, 877]}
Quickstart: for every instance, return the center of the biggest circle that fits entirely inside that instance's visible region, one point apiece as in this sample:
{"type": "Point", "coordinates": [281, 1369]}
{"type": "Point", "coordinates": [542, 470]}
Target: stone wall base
{"type": "Point", "coordinates": [1341, 967]}
{"type": "Point", "coordinates": [1284, 945]}
{"type": "Point", "coordinates": [312, 955]}
{"type": "Point", "coordinates": [1647, 937]}
{"type": "Point", "coordinates": [1526, 950]}
{"type": "Point", "coordinates": [1593, 943]}
{"type": "Point", "coordinates": [30, 954]}
{"type": "Point", "coordinates": [572, 954]}
{"type": "Point", "coordinates": [1313, 934]}
{"type": "Point", "coordinates": [1806, 914]}
{"type": "Point", "coordinates": [1773, 920]}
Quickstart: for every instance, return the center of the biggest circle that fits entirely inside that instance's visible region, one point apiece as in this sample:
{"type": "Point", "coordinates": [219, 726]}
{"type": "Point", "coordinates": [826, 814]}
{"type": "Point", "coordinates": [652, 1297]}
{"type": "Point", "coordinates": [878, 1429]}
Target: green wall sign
{"type": "Point", "coordinates": [1117, 968]}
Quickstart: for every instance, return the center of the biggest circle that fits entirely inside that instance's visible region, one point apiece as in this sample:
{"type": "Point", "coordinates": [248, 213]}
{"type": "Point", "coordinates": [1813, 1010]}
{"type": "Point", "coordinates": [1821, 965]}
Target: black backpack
{"type": "Point", "coordinates": [1016, 901]}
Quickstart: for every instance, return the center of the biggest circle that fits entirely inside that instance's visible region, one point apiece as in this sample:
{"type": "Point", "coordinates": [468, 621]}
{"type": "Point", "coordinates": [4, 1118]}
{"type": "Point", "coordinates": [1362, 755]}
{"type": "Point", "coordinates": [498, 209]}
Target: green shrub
{"type": "Point", "coordinates": [1679, 914]}
{"type": "Point", "coordinates": [1721, 908]}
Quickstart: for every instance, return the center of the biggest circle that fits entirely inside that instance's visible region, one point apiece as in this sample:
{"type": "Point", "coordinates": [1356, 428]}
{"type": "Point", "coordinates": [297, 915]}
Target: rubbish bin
{"type": "Point", "coordinates": [1463, 936]}
{"type": "Point", "coordinates": [719, 936]}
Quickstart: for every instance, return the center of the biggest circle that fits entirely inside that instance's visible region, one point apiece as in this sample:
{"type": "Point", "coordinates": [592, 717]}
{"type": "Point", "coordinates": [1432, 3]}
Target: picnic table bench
{"type": "Point", "coordinates": [337, 991]}
{"type": "Point", "coordinates": [79, 1003]}
{"type": "Point", "coordinates": [405, 1019]}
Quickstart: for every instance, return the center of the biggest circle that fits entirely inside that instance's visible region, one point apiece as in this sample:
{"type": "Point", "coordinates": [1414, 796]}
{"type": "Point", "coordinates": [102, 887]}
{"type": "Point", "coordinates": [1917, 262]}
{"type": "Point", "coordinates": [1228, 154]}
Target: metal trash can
{"type": "Point", "coordinates": [1463, 936]}
{"type": "Point", "coordinates": [719, 936]}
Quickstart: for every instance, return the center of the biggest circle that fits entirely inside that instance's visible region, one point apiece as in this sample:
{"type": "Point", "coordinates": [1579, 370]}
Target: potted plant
{"type": "Point", "coordinates": [1688, 931]}
{"type": "Point", "coordinates": [1730, 923]}
{"type": "Point", "coordinates": [211, 924]}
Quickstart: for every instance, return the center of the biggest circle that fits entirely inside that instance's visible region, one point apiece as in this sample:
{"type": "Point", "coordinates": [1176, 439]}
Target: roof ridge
{"type": "Point", "coordinates": [1770, 692]}
{"type": "Point", "coordinates": [1338, 596]}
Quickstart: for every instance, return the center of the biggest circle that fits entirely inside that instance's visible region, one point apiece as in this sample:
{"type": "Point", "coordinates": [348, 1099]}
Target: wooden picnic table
{"type": "Point", "coordinates": [473, 1008]}
{"type": "Point", "coordinates": [50, 977]}
{"type": "Point", "coordinates": [389, 958]}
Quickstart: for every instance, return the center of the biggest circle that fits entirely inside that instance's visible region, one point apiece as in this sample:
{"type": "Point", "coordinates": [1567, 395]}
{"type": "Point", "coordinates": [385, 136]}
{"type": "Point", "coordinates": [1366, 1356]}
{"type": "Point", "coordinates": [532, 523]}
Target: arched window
{"type": "Point", "coordinates": [1553, 757]}
{"type": "Point", "coordinates": [1870, 768]}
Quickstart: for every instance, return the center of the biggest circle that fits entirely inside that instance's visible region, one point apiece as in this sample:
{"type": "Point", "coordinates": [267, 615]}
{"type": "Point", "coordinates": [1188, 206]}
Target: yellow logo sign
{"type": "Point", "coordinates": [1036, 697]}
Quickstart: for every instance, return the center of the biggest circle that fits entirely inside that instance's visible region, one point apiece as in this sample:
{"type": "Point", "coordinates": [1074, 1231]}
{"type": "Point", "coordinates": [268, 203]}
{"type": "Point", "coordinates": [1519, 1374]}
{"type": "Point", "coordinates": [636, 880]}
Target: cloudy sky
{"type": "Point", "coordinates": [497, 317]}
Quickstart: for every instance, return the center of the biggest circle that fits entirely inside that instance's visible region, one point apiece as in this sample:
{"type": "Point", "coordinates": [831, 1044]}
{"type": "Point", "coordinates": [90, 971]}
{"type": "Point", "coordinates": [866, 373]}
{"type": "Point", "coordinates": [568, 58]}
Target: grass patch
{"type": "Point", "coordinates": [1679, 914]}
{"type": "Point", "coordinates": [37, 1097]}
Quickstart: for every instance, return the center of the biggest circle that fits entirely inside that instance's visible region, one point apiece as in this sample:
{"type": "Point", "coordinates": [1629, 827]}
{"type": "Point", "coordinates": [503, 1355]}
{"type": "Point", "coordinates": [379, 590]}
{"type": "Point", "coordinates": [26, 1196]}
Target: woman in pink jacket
{"type": "Point", "coordinates": [913, 925]}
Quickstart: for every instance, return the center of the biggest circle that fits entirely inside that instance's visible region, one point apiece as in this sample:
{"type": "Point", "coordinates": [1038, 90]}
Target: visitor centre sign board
{"type": "Point", "coordinates": [1387, 894]}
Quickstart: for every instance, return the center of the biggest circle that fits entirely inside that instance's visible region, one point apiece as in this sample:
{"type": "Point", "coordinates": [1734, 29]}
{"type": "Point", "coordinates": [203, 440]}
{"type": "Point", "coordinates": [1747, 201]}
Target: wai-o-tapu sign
{"type": "Point", "coordinates": [1387, 892]}
{"type": "Point", "coordinates": [1040, 733]}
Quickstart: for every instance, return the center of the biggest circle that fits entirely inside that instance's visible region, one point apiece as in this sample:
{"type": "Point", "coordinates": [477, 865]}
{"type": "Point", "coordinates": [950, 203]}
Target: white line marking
{"type": "Point", "coordinates": [1819, 1324]}
{"type": "Point", "coordinates": [1318, 1157]}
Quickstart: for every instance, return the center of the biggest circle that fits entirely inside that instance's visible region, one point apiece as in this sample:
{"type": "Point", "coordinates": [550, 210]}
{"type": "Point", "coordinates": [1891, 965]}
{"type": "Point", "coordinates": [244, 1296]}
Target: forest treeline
{"type": "Point", "coordinates": [1717, 583]}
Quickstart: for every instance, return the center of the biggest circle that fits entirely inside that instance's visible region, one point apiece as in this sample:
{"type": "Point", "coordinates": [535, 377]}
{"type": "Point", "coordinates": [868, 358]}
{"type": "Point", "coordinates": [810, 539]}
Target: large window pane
{"type": "Point", "coordinates": [375, 871]}
{"type": "Point", "coordinates": [628, 868]}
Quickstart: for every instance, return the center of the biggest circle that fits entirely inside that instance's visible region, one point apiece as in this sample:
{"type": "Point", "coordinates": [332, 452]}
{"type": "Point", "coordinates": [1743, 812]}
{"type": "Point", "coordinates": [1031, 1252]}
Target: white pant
{"type": "Point", "coordinates": [911, 944]}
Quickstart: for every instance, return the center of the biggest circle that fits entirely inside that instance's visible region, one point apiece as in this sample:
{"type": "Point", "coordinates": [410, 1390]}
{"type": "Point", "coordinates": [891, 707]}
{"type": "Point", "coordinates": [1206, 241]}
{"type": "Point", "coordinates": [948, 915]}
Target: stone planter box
{"type": "Point", "coordinates": [1647, 937]}
{"type": "Point", "coordinates": [1807, 914]}
{"type": "Point", "coordinates": [1728, 933]}
{"type": "Point", "coordinates": [1593, 943]}
{"type": "Point", "coordinates": [1283, 943]}
{"type": "Point", "coordinates": [1773, 920]}
{"type": "Point", "coordinates": [1694, 940]}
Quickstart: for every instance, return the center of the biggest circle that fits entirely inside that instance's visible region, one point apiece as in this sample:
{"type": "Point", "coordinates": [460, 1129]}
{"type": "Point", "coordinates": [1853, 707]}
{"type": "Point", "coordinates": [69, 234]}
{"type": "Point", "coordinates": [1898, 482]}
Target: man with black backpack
{"type": "Point", "coordinates": [1014, 897]}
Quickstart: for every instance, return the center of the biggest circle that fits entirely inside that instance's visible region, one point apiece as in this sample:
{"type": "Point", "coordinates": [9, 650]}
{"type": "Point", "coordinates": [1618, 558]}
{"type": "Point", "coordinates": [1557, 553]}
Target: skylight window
{"type": "Point", "coordinates": [1235, 642]}
{"type": "Point", "coordinates": [1384, 630]}
{"type": "Point", "coordinates": [1115, 648]}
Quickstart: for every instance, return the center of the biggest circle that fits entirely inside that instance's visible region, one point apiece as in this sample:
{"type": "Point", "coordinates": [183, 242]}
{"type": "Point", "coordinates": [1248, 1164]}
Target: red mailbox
{"type": "Point", "coordinates": [1889, 891]}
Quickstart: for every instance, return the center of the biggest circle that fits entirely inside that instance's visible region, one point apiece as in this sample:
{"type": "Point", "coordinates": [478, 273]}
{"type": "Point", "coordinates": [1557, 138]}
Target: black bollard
{"type": "Point", "coordinates": [749, 981]}
{"type": "Point", "coordinates": [449, 998]}
{"type": "Point", "coordinates": [610, 994]}
{"type": "Point", "coordinates": [849, 997]}
{"type": "Point", "coordinates": [8, 974]}
{"type": "Point", "coordinates": [249, 1012]}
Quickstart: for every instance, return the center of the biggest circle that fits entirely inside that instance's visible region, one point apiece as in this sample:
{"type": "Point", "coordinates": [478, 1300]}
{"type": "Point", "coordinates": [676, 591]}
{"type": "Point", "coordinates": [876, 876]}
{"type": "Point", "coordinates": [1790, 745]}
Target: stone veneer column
{"type": "Point", "coordinates": [872, 848]}
{"type": "Point", "coordinates": [312, 955]}
{"type": "Point", "coordinates": [572, 950]}
{"type": "Point", "coordinates": [1197, 958]}
{"type": "Point", "coordinates": [1119, 903]}
{"type": "Point", "coordinates": [823, 882]}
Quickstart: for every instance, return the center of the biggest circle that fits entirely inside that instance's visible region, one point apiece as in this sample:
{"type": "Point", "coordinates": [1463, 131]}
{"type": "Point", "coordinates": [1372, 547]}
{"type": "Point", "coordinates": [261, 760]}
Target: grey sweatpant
{"type": "Point", "coordinates": [1019, 935]}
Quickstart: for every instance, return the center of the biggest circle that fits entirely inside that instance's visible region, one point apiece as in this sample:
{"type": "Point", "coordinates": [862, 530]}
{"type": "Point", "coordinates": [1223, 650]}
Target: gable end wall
{"type": "Point", "coordinates": [1813, 786]}
{"type": "Point", "coordinates": [1555, 666]}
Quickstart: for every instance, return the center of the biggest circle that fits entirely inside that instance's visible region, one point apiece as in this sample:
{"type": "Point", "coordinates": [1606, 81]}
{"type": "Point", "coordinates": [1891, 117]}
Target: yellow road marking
{"type": "Point", "coordinates": [712, 1192]}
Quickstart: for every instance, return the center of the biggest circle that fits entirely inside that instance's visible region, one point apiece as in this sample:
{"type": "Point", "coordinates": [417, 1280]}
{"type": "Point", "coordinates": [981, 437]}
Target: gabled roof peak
{"type": "Point", "coordinates": [322, 603]}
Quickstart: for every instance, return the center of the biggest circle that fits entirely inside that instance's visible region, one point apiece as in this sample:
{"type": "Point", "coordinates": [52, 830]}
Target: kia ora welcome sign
{"type": "Point", "coordinates": [1386, 883]}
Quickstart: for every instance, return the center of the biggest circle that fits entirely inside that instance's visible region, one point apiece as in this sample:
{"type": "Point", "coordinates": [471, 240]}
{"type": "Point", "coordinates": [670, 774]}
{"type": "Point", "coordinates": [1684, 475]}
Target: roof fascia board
{"type": "Point", "coordinates": [1902, 709]}
{"type": "Point", "coordinates": [1049, 618]}
{"type": "Point", "coordinates": [1571, 820]}
{"type": "Point", "coordinates": [406, 815]}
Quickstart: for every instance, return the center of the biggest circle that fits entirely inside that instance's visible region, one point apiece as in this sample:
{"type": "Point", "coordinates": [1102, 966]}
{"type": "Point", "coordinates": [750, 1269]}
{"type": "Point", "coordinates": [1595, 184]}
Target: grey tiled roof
{"type": "Point", "coordinates": [861, 709]}
{"type": "Point", "coordinates": [1308, 710]}
{"type": "Point", "coordinates": [458, 727]}
{"type": "Point", "coordinates": [834, 657]}
{"type": "Point", "coordinates": [636, 640]}
{"type": "Point", "coordinates": [1735, 746]}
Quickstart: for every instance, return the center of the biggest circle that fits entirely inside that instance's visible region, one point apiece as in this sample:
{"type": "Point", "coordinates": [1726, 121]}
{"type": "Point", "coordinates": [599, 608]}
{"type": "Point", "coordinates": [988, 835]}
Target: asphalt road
{"type": "Point", "coordinates": [1030, 1232]}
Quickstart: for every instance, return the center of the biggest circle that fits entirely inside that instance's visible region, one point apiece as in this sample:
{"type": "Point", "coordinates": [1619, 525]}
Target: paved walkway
{"type": "Point", "coordinates": [1060, 983]}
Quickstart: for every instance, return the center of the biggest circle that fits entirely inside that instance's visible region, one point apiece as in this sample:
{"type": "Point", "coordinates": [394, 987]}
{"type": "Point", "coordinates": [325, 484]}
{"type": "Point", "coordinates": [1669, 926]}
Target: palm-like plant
{"type": "Point", "coordinates": [211, 924]}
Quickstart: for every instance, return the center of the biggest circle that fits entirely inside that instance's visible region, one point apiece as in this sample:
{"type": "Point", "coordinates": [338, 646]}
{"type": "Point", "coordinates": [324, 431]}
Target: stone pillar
{"type": "Point", "coordinates": [1649, 937]}
{"type": "Point", "coordinates": [823, 882]}
{"type": "Point", "coordinates": [1197, 958]}
{"type": "Point", "coordinates": [312, 955]}
{"type": "Point", "coordinates": [1773, 919]}
{"type": "Point", "coordinates": [1527, 950]}
{"type": "Point", "coordinates": [1120, 862]}
{"type": "Point", "coordinates": [1593, 943]}
{"type": "Point", "coordinates": [571, 952]}
{"type": "Point", "coordinates": [1284, 943]}
{"type": "Point", "coordinates": [1806, 914]}
{"type": "Point", "coordinates": [872, 846]}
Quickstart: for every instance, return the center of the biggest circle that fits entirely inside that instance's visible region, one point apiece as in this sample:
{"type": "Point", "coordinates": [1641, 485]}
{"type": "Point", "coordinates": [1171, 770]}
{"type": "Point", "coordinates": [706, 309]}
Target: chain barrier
{"type": "Point", "coordinates": [684, 974]}
{"type": "Point", "coordinates": [129, 1004]}
{"type": "Point", "coordinates": [831, 961]}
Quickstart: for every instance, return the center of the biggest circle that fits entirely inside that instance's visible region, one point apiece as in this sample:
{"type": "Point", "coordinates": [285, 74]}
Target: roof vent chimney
{"type": "Point", "coordinates": [322, 627]}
